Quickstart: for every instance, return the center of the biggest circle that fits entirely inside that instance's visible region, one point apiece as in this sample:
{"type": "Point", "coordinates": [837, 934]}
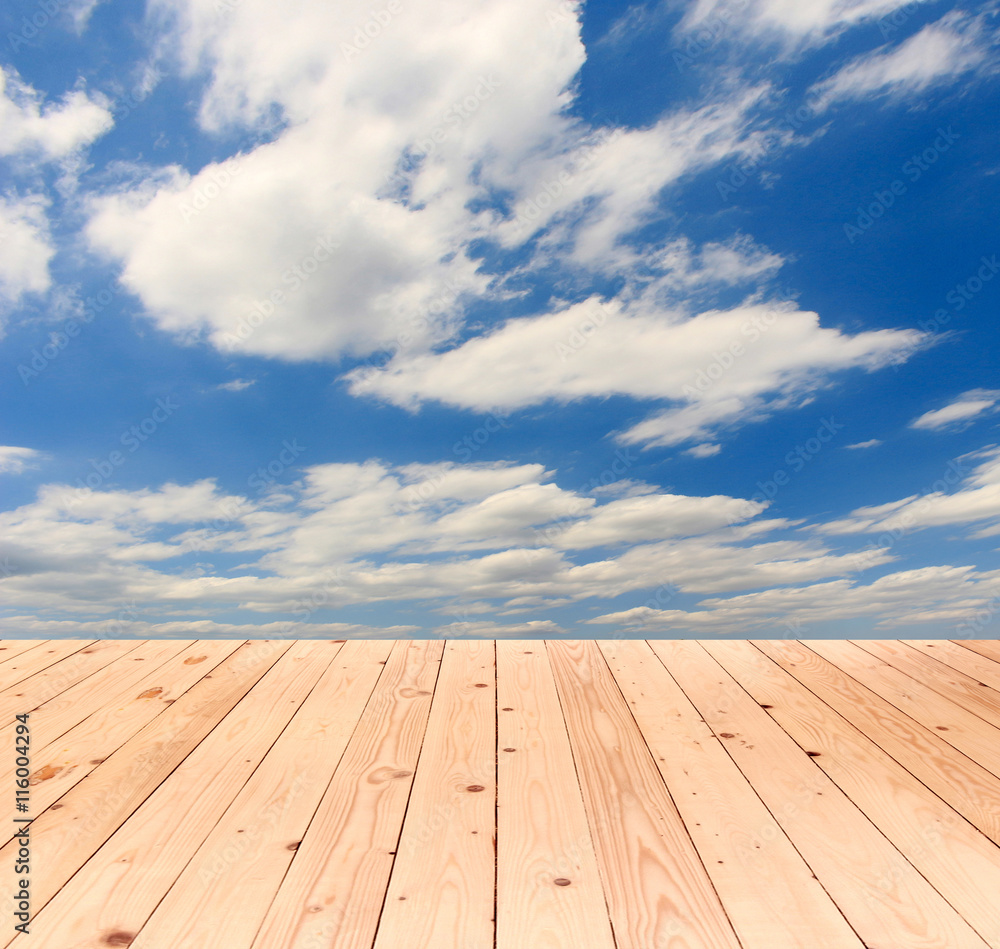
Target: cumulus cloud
{"type": "Point", "coordinates": [352, 227]}
{"type": "Point", "coordinates": [941, 51]}
{"type": "Point", "coordinates": [390, 149]}
{"type": "Point", "coordinates": [959, 413]}
{"type": "Point", "coordinates": [131, 625]}
{"type": "Point", "coordinates": [29, 127]}
{"type": "Point", "coordinates": [487, 629]}
{"type": "Point", "coordinates": [943, 594]}
{"type": "Point", "coordinates": [25, 249]}
{"type": "Point", "coordinates": [478, 542]}
{"type": "Point", "coordinates": [33, 132]}
{"type": "Point", "coordinates": [488, 535]}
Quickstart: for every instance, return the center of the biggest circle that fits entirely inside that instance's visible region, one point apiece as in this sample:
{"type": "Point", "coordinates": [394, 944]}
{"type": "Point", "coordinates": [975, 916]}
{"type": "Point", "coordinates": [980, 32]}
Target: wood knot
{"type": "Point", "coordinates": [813, 754]}
{"type": "Point", "coordinates": [119, 938]}
{"type": "Point", "coordinates": [43, 774]}
{"type": "Point", "coordinates": [294, 845]}
{"type": "Point", "coordinates": [510, 749]}
{"type": "Point", "coordinates": [151, 693]}
{"type": "Point", "coordinates": [194, 660]}
{"type": "Point", "coordinates": [561, 881]}
{"type": "Point", "coordinates": [475, 787]}
{"type": "Point", "coordinates": [507, 709]}
{"type": "Point", "coordinates": [480, 685]}
{"type": "Point", "coordinates": [726, 735]}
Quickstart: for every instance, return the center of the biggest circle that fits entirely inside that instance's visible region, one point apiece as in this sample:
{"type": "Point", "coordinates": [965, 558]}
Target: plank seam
{"type": "Point", "coordinates": [746, 778]}
{"type": "Point", "coordinates": [409, 796]}
{"type": "Point", "coordinates": [860, 810]}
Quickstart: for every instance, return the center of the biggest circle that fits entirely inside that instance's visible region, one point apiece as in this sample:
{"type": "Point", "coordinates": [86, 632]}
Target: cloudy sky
{"type": "Point", "coordinates": [488, 319]}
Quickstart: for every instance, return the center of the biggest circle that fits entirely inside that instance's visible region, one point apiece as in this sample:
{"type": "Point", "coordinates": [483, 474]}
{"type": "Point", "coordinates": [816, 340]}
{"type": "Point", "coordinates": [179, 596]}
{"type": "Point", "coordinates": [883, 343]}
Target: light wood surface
{"type": "Point", "coordinates": [549, 893]}
{"type": "Point", "coordinates": [518, 794]}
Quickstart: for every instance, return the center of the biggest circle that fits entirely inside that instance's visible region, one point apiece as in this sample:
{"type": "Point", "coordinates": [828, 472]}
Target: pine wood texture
{"type": "Point", "coordinates": [517, 794]}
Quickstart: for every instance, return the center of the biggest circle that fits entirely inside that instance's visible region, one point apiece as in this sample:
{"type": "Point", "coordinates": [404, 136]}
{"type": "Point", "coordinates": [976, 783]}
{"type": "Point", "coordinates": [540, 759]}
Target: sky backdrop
{"type": "Point", "coordinates": [490, 319]}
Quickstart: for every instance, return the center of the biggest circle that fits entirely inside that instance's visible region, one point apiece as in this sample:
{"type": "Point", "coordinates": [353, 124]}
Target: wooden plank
{"type": "Point", "coordinates": [441, 893]}
{"type": "Point", "coordinates": [542, 830]}
{"type": "Point", "coordinates": [66, 835]}
{"type": "Point", "coordinates": [657, 889]}
{"type": "Point", "coordinates": [989, 648]}
{"type": "Point", "coordinates": [90, 744]}
{"type": "Point", "coordinates": [11, 648]}
{"type": "Point", "coordinates": [957, 726]}
{"type": "Point", "coordinates": [232, 879]}
{"type": "Point", "coordinates": [971, 694]}
{"type": "Point", "coordinates": [104, 689]}
{"type": "Point", "coordinates": [769, 892]}
{"type": "Point", "coordinates": [950, 853]}
{"type": "Point", "coordinates": [968, 787]}
{"type": "Point", "coordinates": [98, 696]}
{"type": "Point", "coordinates": [887, 902]}
{"type": "Point", "coordinates": [30, 661]}
{"type": "Point", "coordinates": [107, 901]}
{"type": "Point", "coordinates": [964, 660]}
{"type": "Point", "coordinates": [28, 695]}
{"type": "Point", "coordinates": [333, 891]}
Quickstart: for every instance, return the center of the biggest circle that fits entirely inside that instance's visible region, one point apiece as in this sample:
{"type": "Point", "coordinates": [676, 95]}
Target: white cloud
{"type": "Point", "coordinates": [790, 22]}
{"type": "Point", "coordinates": [967, 406]}
{"type": "Point", "coordinates": [34, 132]}
{"type": "Point", "coordinates": [940, 51]}
{"type": "Point", "coordinates": [719, 366]}
{"type": "Point", "coordinates": [487, 629]}
{"type": "Point", "coordinates": [375, 152]}
{"type": "Point", "coordinates": [705, 450]}
{"type": "Point", "coordinates": [28, 127]}
{"type": "Point", "coordinates": [236, 385]}
{"type": "Point", "coordinates": [380, 152]}
{"type": "Point", "coordinates": [364, 534]}
{"type": "Point", "coordinates": [586, 194]}
{"type": "Point", "coordinates": [937, 594]}
{"type": "Point", "coordinates": [14, 460]}
{"type": "Point", "coordinates": [871, 443]}
{"type": "Point", "coordinates": [127, 624]}
{"type": "Point", "coordinates": [25, 249]}
{"type": "Point", "coordinates": [975, 498]}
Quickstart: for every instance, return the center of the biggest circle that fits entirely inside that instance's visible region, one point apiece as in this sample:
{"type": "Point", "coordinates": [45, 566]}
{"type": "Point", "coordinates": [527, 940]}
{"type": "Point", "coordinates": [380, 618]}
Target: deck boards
{"type": "Point", "coordinates": [618, 794]}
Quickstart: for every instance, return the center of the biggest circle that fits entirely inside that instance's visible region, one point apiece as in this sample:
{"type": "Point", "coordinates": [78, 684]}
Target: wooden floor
{"type": "Point", "coordinates": [509, 794]}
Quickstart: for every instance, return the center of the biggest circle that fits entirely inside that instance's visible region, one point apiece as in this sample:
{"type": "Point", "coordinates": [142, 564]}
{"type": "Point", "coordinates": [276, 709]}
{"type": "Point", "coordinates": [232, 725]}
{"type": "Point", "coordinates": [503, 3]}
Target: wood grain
{"type": "Point", "coordinates": [116, 890]}
{"type": "Point", "coordinates": [332, 894]}
{"type": "Point", "coordinates": [769, 892]}
{"type": "Point", "coordinates": [949, 852]}
{"type": "Point", "coordinates": [549, 893]}
{"type": "Point", "coordinates": [968, 787]}
{"type": "Point", "coordinates": [657, 889]}
{"type": "Point", "coordinates": [441, 893]}
{"type": "Point", "coordinates": [961, 728]}
{"type": "Point", "coordinates": [887, 902]}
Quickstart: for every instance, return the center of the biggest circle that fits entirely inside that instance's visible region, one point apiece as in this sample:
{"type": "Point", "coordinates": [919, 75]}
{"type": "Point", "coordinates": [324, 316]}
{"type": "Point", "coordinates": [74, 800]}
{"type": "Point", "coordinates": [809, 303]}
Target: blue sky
{"type": "Point", "coordinates": [501, 319]}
